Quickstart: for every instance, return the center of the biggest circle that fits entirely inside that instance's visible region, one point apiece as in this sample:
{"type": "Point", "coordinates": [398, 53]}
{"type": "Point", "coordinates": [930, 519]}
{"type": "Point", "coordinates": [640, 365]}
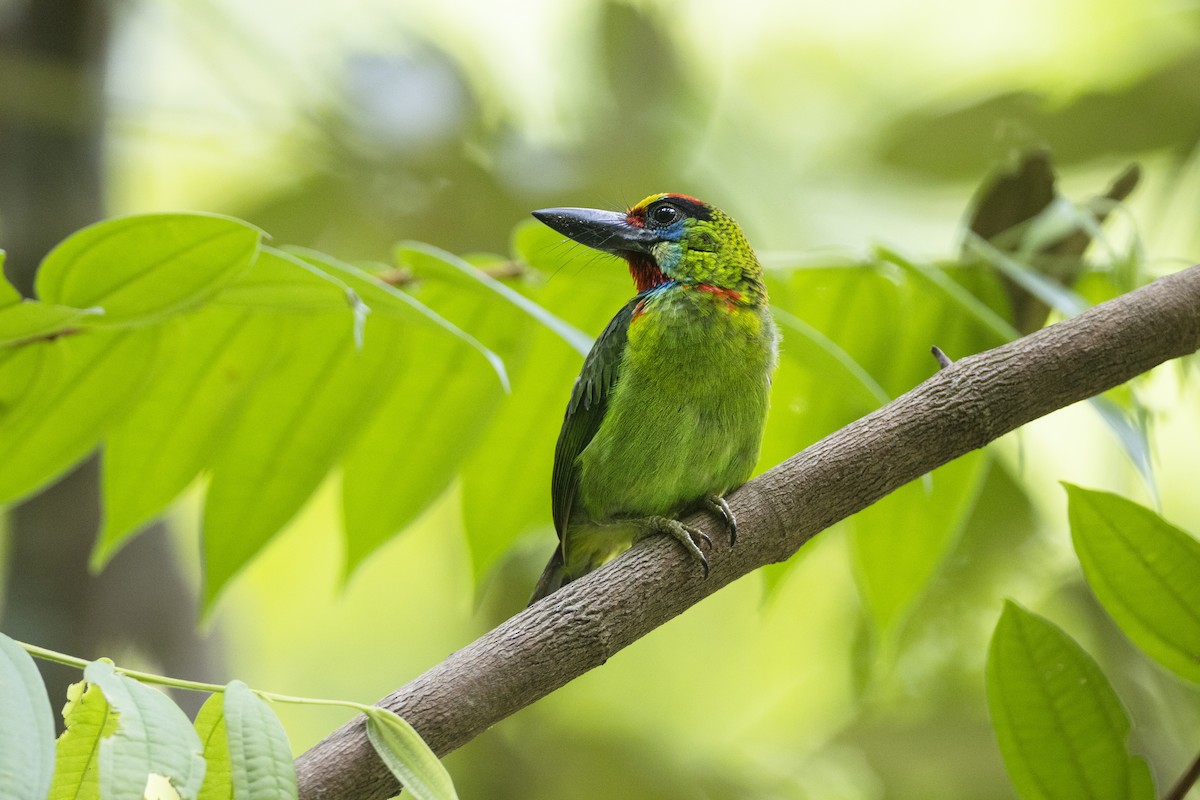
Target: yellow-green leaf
{"type": "Point", "coordinates": [71, 390]}
{"type": "Point", "coordinates": [210, 727]}
{"type": "Point", "coordinates": [141, 267]}
{"type": "Point", "coordinates": [89, 719]}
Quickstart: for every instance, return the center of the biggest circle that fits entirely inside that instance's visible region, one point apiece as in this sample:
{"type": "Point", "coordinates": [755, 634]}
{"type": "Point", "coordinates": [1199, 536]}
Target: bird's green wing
{"type": "Point", "coordinates": [585, 412]}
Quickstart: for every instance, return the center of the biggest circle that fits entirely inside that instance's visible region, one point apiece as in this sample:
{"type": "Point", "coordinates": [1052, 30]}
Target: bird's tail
{"type": "Point", "coordinates": [553, 577]}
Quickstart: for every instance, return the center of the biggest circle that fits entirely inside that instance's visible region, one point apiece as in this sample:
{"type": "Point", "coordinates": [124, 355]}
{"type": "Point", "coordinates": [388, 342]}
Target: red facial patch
{"type": "Point", "coordinates": [645, 273]}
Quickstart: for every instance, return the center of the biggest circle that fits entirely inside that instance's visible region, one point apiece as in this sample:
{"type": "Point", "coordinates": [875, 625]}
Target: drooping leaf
{"type": "Point", "coordinates": [70, 391]}
{"type": "Point", "coordinates": [292, 430]}
{"type": "Point", "coordinates": [90, 719]}
{"type": "Point", "coordinates": [27, 732]}
{"type": "Point", "coordinates": [408, 757]}
{"type": "Point", "coordinates": [153, 736]}
{"type": "Point", "coordinates": [419, 434]}
{"type": "Point", "coordinates": [260, 757]}
{"type": "Point", "coordinates": [210, 727]}
{"type": "Point", "coordinates": [1144, 571]}
{"type": "Point", "coordinates": [813, 395]}
{"type": "Point", "coordinates": [389, 300]}
{"type": "Point", "coordinates": [937, 278]}
{"type": "Point", "coordinates": [141, 267]}
{"type": "Point", "coordinates": [1060, 727]}
{"type": "Point", "coordinates": [178, 423]}
{"type": "Point", "coordinates": [899, 542]}
{"type": "Point", "coordinates": [421, 256]}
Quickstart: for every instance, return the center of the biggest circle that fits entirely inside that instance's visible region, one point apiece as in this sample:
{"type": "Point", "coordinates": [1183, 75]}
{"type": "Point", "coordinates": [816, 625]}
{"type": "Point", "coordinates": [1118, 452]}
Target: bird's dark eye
{"type": "Point", "coordinates": [664, 215]}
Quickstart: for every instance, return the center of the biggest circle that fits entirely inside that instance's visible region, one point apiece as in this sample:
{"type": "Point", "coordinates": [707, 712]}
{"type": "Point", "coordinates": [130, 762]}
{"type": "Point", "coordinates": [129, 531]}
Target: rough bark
{"type": "Point", "coordinates": [963, 407]}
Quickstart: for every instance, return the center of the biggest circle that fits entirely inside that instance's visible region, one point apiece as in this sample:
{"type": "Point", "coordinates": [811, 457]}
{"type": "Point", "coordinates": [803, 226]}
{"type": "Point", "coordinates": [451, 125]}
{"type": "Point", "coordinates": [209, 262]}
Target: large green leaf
{"type": "Point", "coordinates": [210, 727]}
{"type": "Point", "coordinates": [419, 434]}
{"type": "Point", "coordinates": [408, 757]}
{"type": "Point", "coordinates": [1144, 571]}
{"type": "Point", "coordinates": [67, 393]}
{"type": "Point", "coordinates": [90, 719]}
{"type": "Point", "coordinates": [177, 424]}
{"type": "Point", "coordinates": [293, 429]}
{"type": "Point", "coordinates": [153, 736]}
{"type": "Point", "coordinates": [141, 267]}
{"type": "Point", "coordinates": [260, 757]}
{"type": "Point", "coordinates": [899, 542]}
{"type": "Point", "coordinates": [27, 733]}
{"type": "Point", "coordinates": [1060, 727]}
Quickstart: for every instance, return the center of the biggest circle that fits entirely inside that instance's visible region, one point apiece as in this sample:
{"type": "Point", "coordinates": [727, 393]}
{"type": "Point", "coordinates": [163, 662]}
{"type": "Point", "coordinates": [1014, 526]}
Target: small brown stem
{"type": "Point", "coordinates": [1186, 781]}
{"type": "Point", "coordinates": [942, 359]}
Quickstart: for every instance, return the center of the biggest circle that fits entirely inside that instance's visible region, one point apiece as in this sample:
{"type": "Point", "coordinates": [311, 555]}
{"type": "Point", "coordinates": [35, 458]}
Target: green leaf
{"type": "Point", "coordinates": [1144, 571]}
{"type": "Point", "coordinates": [29, 319]}
{"type": "Point", "coordinates": [417, 438]}
{"type": "Point", "coordinates": [1060, 727]}
{"type": "Point", "coordinates": [69, 391]}
{"type": "Point", "coordinates": [152, 736]}
{"type": "Point", "coordinates": [210, 727]}
{"type": "Point", "coordinates": [137, 268]}
{"type": "Point", "coordinates": [937, 278]}
{"type": "Point", "coordinates": [303, 414]}
{"type": "Point", "coordinates": [506, 481]}
{"type": "Point", "coordinates": [421, 256]}
{"type": "Point", "coordinates": [408, 757]}
{"type": "Point", "coordinates": [27, 732]}
{"type": "Point", "coordinates": [8, 292]}
{"type": "Point", "coordinates": [834, 351]}
{"type": "Point", "coordinates": [260, 757]}
{"type": "Point", "coordinates": [391, 301]}
{"type": "Point", "coordinates": [90, 719]}
{"type": "Point", "coordinates": [176, 426]}
{"type": "Point", "coordinates": [1046, 289]}
{"type": "Point", "coordinates": [280, 281]}
{"type": "Point", "coordinates": [901, 541]}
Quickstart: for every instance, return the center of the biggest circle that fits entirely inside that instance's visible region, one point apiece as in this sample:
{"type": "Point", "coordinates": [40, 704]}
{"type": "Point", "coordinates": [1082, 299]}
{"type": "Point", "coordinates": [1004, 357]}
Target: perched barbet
{"type": "Point", "coordinates": [667, 414]}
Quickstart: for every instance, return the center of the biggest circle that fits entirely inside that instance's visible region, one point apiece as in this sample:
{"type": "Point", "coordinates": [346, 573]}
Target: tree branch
{"type": "Point", "coordinates": [964, 406]}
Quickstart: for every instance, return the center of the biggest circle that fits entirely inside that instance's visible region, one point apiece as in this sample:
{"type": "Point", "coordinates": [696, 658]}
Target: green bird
{"type": "Point", "coordinates": [667, 414]}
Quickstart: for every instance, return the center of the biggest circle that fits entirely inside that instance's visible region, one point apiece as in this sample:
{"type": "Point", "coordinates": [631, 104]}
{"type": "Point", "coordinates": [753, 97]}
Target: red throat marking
{"type": "Point", "coordinates": [645, 273]}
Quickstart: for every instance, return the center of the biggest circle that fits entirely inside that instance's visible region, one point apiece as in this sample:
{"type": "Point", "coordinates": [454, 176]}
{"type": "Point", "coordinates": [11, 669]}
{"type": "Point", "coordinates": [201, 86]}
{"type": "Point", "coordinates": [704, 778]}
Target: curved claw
{"type": "Point", "coordinates": [718, 506]}
{"type": "Point", "coordinates": [686, 535]}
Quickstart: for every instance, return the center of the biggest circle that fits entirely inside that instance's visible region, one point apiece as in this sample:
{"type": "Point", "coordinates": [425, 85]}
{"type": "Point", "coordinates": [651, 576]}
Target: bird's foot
{"type": "Point", "coordinates": [686, 535]}
{"type": "Point", "coordinates": [718, 506]}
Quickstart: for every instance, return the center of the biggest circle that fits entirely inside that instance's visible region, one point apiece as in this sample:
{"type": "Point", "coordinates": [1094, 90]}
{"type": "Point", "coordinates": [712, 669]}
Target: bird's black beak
{"type": "Point", "coordinates": [607, 231]}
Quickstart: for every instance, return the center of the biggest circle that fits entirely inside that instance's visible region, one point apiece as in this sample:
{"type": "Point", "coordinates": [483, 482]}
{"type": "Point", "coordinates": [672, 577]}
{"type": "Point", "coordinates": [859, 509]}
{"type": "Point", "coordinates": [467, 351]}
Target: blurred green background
{"type": "Point", "coordinates": [824, 129]}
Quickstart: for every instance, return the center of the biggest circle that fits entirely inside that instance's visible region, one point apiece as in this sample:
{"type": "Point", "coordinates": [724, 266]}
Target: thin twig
{"type": "Point", "coordinates": [942, 359]}
{"type": "Point", "coordinates": [1186, 781]}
